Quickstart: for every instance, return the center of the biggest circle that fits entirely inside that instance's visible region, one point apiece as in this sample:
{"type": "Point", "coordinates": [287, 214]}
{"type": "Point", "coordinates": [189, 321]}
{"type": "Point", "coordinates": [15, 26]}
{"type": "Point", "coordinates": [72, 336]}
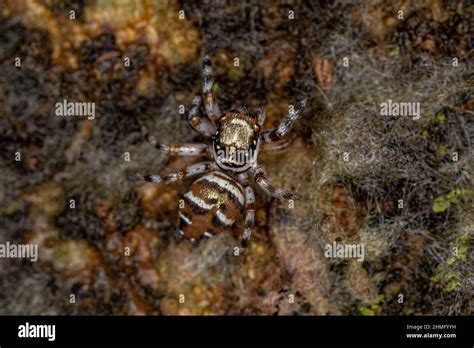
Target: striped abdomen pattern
{"type": "Point", "coordinates": [212, 205]}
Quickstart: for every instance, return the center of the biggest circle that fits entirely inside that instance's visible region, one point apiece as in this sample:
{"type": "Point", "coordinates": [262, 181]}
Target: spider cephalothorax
{"type": "Point", "coordinates": [216, 200]}
{"type": "Point", "coordinates": [236, 141]}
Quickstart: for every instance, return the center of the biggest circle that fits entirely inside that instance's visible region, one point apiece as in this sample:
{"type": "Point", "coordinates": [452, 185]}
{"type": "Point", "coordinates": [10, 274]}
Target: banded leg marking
{"type": "Point", "coordinates": [212, 109]}
{"type": "Point", "coordinates": [285, 125]}
{"type": "Point", "coordinates": [261, 179]}
{"type": "Point", "coordinates": [201, 125]}
{"type": "Point", "coordinates": [276, 147]}
{"type": "Point", "coordinates": [198, 168]}
{"type": "Point", "coordinates": [249, 214]}
{"type": "Point", "coordinates": [195, 149]}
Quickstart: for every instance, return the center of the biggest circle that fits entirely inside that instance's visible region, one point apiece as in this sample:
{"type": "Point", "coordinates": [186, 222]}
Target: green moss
{"type": "Point", "coordinates": [453, 285]}
{"type": "Point", "coordinates": [394, 52]}
{"type": "Point", "coordinates": [440, 118]}
{"type": "Point", "coordinates": [441, 203]}
{"type": "Point", "coordinates": [372, 308]}
{"type": "Point", "coordinates": [366, 311]}
{"type": "Point", "coordinates": [461, 245]}
{"type": "Point", "coordinates": [442, 150]}
{"type": "Point", "coordinates": [450, 276]}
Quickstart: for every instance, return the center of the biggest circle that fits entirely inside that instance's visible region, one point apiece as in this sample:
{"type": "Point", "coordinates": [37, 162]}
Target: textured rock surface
{"type": "Point", "coordinates": [116, 250]}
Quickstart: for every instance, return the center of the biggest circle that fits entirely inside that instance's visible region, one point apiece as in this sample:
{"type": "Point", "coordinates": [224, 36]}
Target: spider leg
{"type": "Point", "coordinates": [273, 147]}
{"type": "Point", "coordinates": [249, 210]}
{"type": "Point", "coordinates": [201, 125]}
{"type": "Point", "coordinates": [261, 116]}
{"type": "Point", "coordinates": [285, 126]}
{"type": "Point", "coordinates": [261, 179]}
{"type": "Point", "coordinates": [277, 146]}
{"type": "Point", "coordinates": [176, 149]}
{"type": "Point", "coordinates": [198, 168]}
{"type": "Point", "coordinates": [212, 109]}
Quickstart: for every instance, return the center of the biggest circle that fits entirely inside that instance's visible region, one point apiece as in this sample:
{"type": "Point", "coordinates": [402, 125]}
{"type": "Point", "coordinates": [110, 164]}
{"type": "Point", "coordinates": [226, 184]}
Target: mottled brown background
{"type": "Point", "coordinates": [391, 158]}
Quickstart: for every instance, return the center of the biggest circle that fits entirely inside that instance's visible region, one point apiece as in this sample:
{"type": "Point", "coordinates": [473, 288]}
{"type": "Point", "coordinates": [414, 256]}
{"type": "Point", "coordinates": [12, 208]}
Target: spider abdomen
{"type": "Point", "coordinates": [212, 205]}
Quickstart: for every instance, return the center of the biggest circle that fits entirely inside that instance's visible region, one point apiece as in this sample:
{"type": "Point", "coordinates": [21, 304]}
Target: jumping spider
{"type": "Point", "coordinates": [217, 199]}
